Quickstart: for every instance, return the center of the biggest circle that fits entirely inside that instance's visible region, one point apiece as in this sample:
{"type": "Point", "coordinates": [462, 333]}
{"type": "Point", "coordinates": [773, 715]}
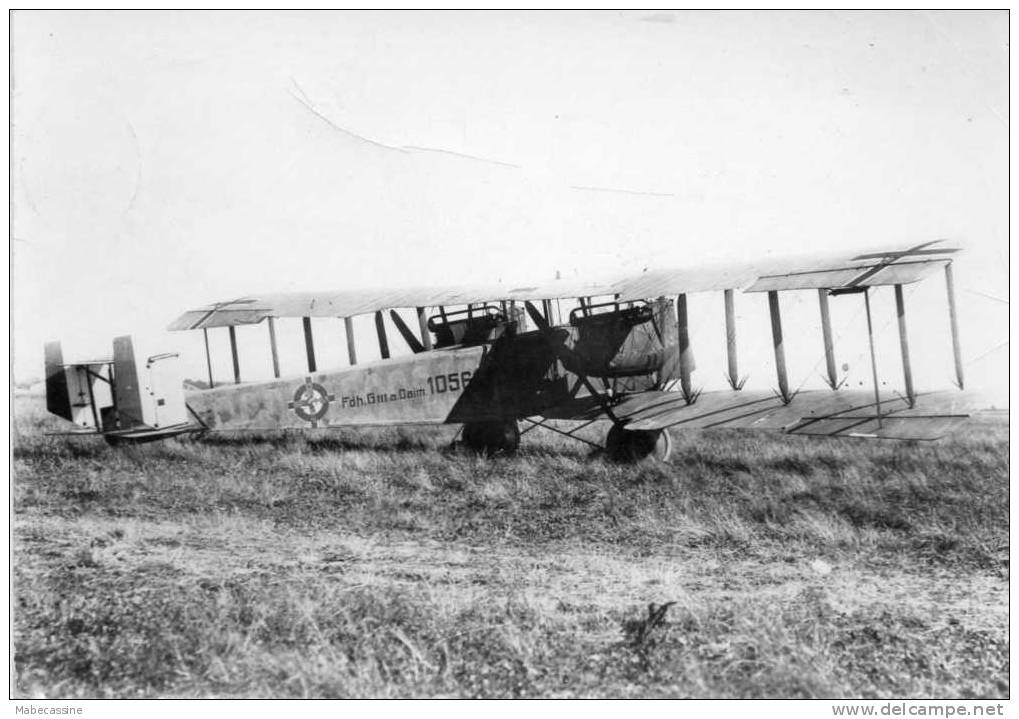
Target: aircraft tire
{"type": "Point", "coordinates": [492, 437]}
{"type": "Point", "coordinates": [627, 445]}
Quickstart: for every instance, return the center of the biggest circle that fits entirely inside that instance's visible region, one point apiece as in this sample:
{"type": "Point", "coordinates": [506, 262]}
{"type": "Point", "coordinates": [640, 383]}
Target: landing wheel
{"type": "Point", "coordinates": [492, 437]}
{"type": "Point", "coordinates": [631, 445]}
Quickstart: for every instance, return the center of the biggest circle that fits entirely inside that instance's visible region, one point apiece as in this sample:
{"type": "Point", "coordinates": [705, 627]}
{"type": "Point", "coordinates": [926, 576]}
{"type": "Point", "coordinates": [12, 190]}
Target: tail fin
{"type": "Point", "coordinates": [116, 395]}
{"type": "Point", "coordinates": [150, 394]}
{"type": "Point", "coordinates": [126, 388]}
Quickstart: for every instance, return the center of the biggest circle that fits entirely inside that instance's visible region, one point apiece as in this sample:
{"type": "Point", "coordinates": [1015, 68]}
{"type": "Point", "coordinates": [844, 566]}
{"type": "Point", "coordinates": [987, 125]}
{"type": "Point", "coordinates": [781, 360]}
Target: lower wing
{"type": "Point", "coordinates": [811, 412]}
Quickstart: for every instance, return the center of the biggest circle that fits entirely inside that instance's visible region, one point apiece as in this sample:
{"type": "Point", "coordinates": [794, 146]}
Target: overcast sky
{"type": "Point", "coordinates": [162, 160]}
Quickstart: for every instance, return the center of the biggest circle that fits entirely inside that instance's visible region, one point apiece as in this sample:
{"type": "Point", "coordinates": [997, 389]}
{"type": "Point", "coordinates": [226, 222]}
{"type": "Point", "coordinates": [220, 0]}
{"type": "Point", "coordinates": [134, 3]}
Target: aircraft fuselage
{"type": "Point", "coordinates": [512, 376]}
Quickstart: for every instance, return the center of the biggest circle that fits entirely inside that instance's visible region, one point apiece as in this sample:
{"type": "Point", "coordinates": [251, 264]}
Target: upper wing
{"type": "Point", "coordinates": [884, 267]}
{"type": "Point", "coordinates": [350, 303]}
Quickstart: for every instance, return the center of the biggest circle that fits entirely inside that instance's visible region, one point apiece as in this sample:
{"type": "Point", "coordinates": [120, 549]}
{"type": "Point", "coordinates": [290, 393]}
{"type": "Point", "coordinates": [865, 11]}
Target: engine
{"type": "Point", "coordinates": [614, 340]}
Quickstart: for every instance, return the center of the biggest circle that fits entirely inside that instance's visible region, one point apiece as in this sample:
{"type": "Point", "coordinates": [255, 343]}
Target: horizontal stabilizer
{"type": "Point", "coordinates": [92, 362]}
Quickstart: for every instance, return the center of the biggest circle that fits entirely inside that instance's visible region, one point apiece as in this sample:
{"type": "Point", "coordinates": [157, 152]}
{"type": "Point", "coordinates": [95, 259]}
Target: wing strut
{"type": "Point", "coordinates": [776, 338]}
{"type": "Point", "coordinates": [730, 342]}
{"type": "Point", "coordinates": [309, 343]}
{"type": "Point", "coordinates": [208, 357]}
{"type": "Point", "coordinates": [380, 328]}
{"type": "Point", "coordinates": [829, 344]}
{"type": "Point", "coordinates": [536, 316]}
{"type": "Point", "coordinates": [907, 373]}
{"type": "Point", "coordinates": [408, 336]}
{"type": "Point", "coordinates": [233, 354]}
{"type": "Point", "coordinates": [426, 336]}
{"type": "Point", "coordinates": [685, 355]}
{"type": "Point", "coordinates": [873, 358]}
{"type": "Point", "coordinates": [274, 348]}
{"type": "Point", "coordinates": [954, 321]}
{"type": "Point", "coordinates": [348, 328]}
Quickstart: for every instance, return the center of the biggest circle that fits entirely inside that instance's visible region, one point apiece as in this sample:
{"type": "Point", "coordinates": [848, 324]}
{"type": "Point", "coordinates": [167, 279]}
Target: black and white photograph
{"type": "Point", "coordinates": [509, 354]}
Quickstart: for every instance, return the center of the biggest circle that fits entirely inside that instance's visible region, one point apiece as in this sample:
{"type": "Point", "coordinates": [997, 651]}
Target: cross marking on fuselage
{"type": "Point", "coordinates": [311, 402]}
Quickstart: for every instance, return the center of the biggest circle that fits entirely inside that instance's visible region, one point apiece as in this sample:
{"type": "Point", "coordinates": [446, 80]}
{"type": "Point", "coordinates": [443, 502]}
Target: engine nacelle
{"type": "Point", "coordinates": [611, 340]}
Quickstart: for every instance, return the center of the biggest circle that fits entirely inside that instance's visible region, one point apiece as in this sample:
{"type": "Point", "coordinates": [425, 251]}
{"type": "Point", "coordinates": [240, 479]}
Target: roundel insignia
{"type": "Point", "coordinates": [311, 402]}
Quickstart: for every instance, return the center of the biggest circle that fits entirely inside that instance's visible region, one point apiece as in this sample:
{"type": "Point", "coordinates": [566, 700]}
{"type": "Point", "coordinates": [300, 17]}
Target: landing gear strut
{"type": "Point", "coordinates": [492, 437]}
{"type": "Point", "coordinates": [630, 445]}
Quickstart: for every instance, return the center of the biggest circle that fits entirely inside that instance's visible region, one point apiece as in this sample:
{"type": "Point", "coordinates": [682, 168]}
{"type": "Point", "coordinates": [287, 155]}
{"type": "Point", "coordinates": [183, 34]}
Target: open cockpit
{"type": "Point", "coordinates": [473, 325]}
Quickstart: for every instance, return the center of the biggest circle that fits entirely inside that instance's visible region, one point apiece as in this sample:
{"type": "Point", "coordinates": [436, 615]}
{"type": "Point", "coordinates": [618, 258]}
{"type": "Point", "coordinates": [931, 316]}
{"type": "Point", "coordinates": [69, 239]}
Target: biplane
{"type": "Point", "coordinates": [493, 358]}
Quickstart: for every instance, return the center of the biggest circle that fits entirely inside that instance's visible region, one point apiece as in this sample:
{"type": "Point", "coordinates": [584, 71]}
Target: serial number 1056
{"type": "Point", "coordinates": [451, 382]}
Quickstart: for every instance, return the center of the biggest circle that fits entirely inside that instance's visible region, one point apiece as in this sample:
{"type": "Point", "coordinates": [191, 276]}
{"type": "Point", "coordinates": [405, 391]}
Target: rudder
{"type": "Point", "coordinates": [58, 398]}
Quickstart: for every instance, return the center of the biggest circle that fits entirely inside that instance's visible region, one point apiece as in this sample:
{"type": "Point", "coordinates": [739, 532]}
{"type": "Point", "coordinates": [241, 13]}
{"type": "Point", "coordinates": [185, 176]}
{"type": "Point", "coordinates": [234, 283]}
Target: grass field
{"type": "Point", "coordinates": [381, 564]}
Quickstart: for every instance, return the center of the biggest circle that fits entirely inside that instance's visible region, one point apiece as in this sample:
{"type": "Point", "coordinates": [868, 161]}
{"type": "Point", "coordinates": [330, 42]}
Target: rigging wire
{"type": "Point", "coordinates": [990, 351]}
{"type": "Point", "coordinates": [859, 311]}
{"type": "Point", "coordinates": [990, 297]}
